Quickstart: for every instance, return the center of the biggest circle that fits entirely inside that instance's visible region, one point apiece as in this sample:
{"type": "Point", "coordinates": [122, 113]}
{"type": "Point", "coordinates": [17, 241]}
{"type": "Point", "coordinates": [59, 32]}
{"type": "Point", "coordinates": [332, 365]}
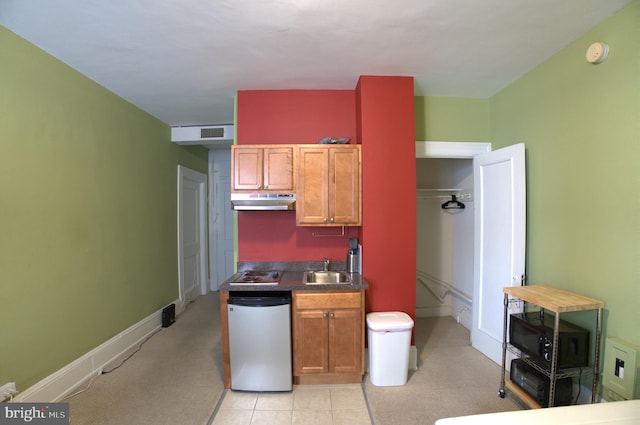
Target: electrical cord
{"type": "Point", "coordinates": [82, 390]}
{"type": "Point", "coordinates": [103, 372]}
{"type": "Point", "coordinates": [7, 395]}
{"type": "Point", "coordinates": [579, 386]}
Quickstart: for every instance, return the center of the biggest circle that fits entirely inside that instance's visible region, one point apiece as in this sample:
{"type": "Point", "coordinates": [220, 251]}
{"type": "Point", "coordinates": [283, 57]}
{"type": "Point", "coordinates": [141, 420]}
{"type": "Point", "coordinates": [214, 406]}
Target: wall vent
{"type": "Point", "coordinates": [211, 132]}
{"type": "Point", "coordinates": [210, 136]}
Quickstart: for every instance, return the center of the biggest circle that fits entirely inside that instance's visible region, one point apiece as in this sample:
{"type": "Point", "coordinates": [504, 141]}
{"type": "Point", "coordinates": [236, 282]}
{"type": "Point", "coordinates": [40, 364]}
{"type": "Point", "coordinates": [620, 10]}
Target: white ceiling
{"type": "Point", "coordinates": [183, 60]}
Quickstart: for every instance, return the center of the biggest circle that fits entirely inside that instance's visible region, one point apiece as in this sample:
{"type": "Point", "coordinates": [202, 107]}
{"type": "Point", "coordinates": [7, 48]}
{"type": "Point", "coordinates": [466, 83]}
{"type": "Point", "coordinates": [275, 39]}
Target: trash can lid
{"type": "Point", "coordinates": [389, 321]}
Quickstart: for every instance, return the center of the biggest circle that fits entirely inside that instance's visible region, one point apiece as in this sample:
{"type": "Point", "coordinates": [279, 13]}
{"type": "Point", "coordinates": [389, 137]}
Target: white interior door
{"type": "Point", "coordinates": [221, 217]}
{"type": "Point", "coordinates": [192, 247]}
{"type": "Point", "coordinates": [224, 265]}
{"type": "Point", "coordinates": [499, 245]}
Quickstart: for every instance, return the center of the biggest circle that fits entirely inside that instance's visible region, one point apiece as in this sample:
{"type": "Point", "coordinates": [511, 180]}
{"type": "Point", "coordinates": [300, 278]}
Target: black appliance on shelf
{"type": "Point", "coordinates": [537, 384]}
{"type": "Point", "coordinates": [532, 333]}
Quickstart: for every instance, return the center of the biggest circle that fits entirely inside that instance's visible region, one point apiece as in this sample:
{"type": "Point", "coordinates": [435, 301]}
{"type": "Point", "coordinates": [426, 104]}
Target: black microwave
{"type": "Point", "coordinates": [532, 333]}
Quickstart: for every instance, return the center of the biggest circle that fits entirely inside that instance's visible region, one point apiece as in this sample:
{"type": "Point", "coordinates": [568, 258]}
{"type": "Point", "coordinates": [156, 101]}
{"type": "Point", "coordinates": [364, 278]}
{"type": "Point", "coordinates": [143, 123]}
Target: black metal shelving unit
{"type": "Point", "coordinates": [557, 301]}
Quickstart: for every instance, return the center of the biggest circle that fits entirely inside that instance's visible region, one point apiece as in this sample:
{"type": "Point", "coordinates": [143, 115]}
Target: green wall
{"type": "Point", "coordinates": [581, 127]}
{"type": "Point", "coordinates": [452, 119]}
{"type": "Point", "coordinates": [87, 213]}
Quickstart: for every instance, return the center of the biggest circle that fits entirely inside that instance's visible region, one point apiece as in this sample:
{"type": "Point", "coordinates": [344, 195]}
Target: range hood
{"type": "Point", "coordinates": [263, 201]}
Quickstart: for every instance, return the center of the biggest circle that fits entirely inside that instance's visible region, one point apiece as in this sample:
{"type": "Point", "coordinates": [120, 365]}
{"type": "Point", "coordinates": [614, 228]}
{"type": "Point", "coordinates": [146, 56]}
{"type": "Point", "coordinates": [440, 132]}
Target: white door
{"type": "Point", "coordinates": [220, 217]}
{"type": "Point", "coordinates": [192, 247]}
{"type": "Point", "coordinates": [499, 251]}
{"type": "Point", "coordinates": [224, 265]}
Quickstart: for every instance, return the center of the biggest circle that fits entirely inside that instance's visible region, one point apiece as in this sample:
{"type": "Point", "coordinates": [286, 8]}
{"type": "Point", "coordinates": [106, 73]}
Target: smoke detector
{"type": "Point", "coordinates": [597, 53]}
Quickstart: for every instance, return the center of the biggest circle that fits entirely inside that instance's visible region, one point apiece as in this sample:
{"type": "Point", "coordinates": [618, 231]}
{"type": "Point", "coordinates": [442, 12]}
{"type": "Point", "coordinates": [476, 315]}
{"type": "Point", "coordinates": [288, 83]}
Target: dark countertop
{"type": "Point", "coordinates": [291, 279]}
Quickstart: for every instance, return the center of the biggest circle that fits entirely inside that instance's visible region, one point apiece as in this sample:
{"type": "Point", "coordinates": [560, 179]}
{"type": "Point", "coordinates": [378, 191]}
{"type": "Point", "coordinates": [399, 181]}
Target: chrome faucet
{"type": "Point", "coordinates": [325, 264]}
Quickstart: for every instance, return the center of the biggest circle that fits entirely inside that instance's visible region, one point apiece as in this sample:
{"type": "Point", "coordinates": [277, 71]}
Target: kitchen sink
{"type": "Point", "coordinates": [324, 278]}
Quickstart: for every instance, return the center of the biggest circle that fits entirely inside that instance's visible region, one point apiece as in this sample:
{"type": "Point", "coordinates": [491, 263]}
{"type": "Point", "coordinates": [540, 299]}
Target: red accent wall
{"type": "Point", "coordinates": [295, 116]}
{"type": "Point", "coordinates": [291, 116]}
{"type": "Point", "coordinates": [386, 127]}
{"type": "Point", "coordinates": [379, 114]}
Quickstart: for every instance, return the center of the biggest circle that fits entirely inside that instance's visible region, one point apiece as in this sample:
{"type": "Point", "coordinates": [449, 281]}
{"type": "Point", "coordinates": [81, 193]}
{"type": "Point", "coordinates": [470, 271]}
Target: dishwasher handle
{"type": "Point", "coordinates": [259, 301]}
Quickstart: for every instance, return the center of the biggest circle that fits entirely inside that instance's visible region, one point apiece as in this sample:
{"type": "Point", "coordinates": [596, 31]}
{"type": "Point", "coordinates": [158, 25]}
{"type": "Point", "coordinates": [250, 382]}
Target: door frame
{"type": "Point", "coordinates": [447, 150]}
{"type": "Point", "coordinates": [185, 173]}
{"type": "Point", "coordinates": [453, 150]}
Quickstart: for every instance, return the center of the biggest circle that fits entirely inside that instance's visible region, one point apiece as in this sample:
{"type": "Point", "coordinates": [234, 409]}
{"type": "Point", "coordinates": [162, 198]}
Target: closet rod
{"type": "Point", "coordinates": [438, 190]}
{"type": "Point", "coordinates": [434, 197]}
{"type": "Point", "coordinates": [424, 193]}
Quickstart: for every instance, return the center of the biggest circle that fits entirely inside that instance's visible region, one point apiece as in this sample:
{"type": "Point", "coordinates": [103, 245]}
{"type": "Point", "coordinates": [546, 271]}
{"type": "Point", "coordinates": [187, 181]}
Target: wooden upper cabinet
{"type": "Point", "coordinates": [329, 186]}
{"type": "Point", "coordinates": [263, 168]}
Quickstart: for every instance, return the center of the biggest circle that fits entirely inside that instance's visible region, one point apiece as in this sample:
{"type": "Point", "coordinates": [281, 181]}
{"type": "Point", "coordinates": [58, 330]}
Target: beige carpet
{"type": "Point", "coordinates": [453, 379]}
{"type": "Point", "coordinates": [176, 378]}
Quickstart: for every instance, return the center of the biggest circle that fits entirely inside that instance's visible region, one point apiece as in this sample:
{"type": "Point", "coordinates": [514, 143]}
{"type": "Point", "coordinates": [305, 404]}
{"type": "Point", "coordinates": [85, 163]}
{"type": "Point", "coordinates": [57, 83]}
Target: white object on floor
{"type": "Point", "coordinates": [615, 413]}
{"type": "Point", "coordinates": [389, 340]}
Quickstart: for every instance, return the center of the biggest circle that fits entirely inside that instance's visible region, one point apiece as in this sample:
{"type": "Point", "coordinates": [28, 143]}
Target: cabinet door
{"type": "Point", "coordinates": [313, 179]}
{"type": "Point", "coordinates": [247, 168]}
{"type": "Point", "coordinates": [329, 186]}
{"type": "Point", "coordinates": [345, 194]}
{"type": "Point", "coordinates": [278, 169]}
{"type": "Point", "coordinates": [263, 168]}
{"type": "Point", "coordinates": [345, 341]}
{"type": "Point", "coordinates": [328, 335]}
{"type": "Point", "coordinates": [310, 342]}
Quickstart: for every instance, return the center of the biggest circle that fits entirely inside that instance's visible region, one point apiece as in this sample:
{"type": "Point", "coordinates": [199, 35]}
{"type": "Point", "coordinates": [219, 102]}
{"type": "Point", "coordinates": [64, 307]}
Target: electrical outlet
{"type": "Point", "coordinates": [621, 368]}
{"type": "Point", "coordinates": [7, 390]}
{"type": "Point", "coordinates": [619, 371]}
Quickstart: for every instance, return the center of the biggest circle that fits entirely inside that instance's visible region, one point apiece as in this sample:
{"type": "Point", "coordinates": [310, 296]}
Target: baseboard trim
{"type": "Point", "coordinates": [413, 358]}
{"type": "Point", "coordinates": [462, 311]}
{"type": "Point", "coordinates": [435, 311]}
{"type": "Point", "coordinates": [65, 381]}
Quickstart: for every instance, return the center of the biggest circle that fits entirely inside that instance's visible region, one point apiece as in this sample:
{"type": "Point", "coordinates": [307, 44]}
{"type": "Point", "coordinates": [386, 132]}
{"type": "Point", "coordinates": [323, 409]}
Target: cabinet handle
{"type": "Point", "coordinates": [332, 315]}
{"type": "Point", "coordinates": [324, 315]}
{"type": "Point", "coordinates": [325, 219]}
{"type": "Point", "coordinates": [266, 186]}
{"type": "Point", "coordinates": [331, 219]}
{"type": "Point", "coordinates": [259, 186]}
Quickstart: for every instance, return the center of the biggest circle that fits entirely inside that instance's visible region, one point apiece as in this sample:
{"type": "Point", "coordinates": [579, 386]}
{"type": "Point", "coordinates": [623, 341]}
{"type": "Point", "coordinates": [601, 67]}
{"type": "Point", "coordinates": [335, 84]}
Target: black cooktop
{"type": "Point", "coordinates": [258, 276]}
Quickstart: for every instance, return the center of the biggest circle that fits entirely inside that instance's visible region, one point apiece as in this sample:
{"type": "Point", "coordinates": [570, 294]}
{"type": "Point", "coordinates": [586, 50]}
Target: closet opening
{"type": "Point", "coordinates": [444, 251]}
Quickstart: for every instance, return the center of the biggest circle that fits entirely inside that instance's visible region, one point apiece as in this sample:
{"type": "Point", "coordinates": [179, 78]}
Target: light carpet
{"type": "Point", "coordinates": [176, 378]}
{"type": "Point", "coordinates": [453, 379]}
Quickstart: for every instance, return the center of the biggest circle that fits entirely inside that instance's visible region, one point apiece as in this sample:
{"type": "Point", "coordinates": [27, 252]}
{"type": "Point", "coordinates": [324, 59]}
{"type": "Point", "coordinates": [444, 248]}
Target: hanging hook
{"type": "Point", "coordinates": [453, 204]}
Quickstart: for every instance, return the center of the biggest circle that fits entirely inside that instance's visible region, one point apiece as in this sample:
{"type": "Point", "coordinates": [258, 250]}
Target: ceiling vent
{"type": "Point", "coordinates": [210, 136]}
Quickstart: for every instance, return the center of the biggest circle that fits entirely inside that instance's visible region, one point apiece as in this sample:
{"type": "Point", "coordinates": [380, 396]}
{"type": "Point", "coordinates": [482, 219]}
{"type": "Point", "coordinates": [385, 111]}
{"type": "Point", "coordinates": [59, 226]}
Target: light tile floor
{"type": "Point", "coordinates": [305, 405]}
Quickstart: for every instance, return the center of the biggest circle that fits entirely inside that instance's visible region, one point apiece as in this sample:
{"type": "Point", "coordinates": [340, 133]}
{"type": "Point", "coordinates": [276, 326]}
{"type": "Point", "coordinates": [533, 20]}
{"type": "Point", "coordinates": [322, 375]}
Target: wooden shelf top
{"type": "Point", "coordinates": [522, 395]}
{"type": "Point", "coordinates": [553, 299]}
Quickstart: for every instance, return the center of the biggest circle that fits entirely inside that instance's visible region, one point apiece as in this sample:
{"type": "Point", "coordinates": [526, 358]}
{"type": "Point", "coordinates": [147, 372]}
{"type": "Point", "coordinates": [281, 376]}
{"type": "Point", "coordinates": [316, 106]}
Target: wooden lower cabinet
{"type": "Point", "coordinates": [328, 337]}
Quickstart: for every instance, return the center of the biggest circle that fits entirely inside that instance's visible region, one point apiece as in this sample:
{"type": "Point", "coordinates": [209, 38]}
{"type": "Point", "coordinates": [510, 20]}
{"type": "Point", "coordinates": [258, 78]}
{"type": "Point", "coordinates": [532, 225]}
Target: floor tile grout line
{"type": "Point", "coordinates": [332, 410]}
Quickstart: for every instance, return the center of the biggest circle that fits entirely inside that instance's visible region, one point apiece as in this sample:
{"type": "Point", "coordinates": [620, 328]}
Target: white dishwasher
{"type": "Point", "coordinates": [260, 340]}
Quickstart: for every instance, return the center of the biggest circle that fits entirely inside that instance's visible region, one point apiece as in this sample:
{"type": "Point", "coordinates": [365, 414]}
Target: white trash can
{"type": "Point", "coordinates": [389, 341]}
